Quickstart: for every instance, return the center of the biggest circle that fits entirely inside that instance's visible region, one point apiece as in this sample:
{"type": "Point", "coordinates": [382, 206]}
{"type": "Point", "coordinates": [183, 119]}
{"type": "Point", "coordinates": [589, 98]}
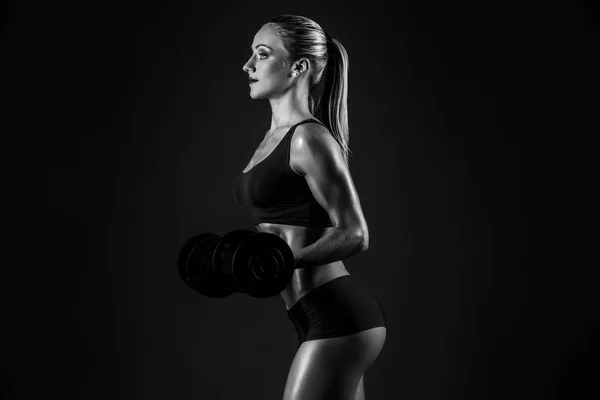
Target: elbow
{"type": "Point", "coordinates": [356, 237]}
{"type": "Point", "coordinates": [363, 239]}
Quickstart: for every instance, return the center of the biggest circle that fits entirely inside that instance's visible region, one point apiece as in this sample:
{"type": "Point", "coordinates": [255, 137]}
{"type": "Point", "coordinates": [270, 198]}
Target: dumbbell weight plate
{"type": "Point", "coordinates": [263, 265]}
{"type": "Point", "coordinates": [223, 256]}
{"type": "Point", "coordinates": [186, 250]}
{"type": "Point", "coordinates": [195, 266]}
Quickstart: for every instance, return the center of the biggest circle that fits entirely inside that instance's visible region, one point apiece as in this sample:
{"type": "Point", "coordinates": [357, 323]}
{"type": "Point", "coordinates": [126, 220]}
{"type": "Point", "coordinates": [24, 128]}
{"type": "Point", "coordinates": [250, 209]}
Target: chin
{"type": "Point", "coordinates": [256, 95]}
{"type": "Point", "coordinates": [267, 91]}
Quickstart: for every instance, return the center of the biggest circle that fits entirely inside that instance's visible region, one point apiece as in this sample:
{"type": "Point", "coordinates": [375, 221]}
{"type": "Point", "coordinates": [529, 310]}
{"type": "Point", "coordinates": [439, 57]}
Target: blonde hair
{"type": "Point", "coordinates": [302, 37]}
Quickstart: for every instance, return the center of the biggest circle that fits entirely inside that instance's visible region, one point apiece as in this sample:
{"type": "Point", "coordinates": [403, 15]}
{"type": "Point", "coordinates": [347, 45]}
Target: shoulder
{"type": "Point", "coordinates": [311, 131]}
{"type": "Point", "coordinates": [314, 145]}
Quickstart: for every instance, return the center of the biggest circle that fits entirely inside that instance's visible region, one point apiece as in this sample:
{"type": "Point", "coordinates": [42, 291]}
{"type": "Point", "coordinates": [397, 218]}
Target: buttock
{"type": "Point", "coordinates": [336, 308]}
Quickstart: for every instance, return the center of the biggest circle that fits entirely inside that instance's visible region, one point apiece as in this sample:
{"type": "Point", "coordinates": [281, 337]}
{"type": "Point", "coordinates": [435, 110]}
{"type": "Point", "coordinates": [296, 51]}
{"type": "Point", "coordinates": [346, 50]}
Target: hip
{"type": "Point", "coordinates": [308, 279]}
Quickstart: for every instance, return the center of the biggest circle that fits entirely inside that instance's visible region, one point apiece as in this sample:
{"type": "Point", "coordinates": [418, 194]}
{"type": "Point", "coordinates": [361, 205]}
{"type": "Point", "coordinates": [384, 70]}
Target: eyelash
{"type": "Point", "coordinates": [262, 54]}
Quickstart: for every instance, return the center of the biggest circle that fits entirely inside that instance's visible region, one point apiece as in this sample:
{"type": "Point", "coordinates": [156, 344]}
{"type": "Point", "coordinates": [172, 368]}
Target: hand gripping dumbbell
{"type": "Point", "coordinates": [258, 264]}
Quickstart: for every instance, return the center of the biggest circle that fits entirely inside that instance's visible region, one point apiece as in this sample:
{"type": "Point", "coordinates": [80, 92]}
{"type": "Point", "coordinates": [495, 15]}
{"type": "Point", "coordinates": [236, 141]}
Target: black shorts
{"type": "Point", "coordinates": [339, 307]}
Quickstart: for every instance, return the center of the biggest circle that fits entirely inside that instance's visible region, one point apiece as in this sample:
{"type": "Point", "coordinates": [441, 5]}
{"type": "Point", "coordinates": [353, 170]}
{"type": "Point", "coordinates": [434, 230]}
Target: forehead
{"type": "Point", "coordinates": [266, 36]}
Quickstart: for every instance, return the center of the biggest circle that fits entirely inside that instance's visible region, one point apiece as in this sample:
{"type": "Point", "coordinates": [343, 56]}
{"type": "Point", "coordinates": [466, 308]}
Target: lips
{"type": "Point", "coordinates": [252, 80]}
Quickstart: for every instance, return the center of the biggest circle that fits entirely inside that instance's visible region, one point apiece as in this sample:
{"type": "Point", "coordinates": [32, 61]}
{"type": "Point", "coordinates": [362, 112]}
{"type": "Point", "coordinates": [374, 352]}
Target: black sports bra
{"type": "Point", "coordinates": [274, 193]}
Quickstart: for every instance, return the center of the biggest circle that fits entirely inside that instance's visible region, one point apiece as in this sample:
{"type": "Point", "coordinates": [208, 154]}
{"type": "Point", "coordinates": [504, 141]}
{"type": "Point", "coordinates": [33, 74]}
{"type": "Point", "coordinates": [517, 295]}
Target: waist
{"type": "Point", "coordinates": [305, 280]}
{"type": "Point", "coordinates": [310, 215]}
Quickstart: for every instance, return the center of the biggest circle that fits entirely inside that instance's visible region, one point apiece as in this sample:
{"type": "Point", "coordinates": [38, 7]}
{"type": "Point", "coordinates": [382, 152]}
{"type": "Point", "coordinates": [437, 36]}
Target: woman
{"type": "Point", "coordinates": [298, 187]}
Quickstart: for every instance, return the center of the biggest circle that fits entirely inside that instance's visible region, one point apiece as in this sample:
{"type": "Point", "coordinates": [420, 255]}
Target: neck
{"type": "Point", "coordinates": [291, 107]}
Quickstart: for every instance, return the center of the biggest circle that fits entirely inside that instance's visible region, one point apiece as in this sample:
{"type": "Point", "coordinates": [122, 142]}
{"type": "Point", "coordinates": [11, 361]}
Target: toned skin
{"type": "Point", "coordinates": [330, 368]}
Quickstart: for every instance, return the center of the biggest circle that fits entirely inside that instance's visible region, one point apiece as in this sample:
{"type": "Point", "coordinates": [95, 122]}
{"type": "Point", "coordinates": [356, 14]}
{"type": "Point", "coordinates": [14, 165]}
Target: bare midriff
{"type": "Point", "coordinates": [304, 279]}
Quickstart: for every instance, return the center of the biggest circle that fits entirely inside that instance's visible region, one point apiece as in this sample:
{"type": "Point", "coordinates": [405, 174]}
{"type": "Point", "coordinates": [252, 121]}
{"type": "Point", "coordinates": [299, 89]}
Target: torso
{"type": "Point", "coordinates": [306, 279]}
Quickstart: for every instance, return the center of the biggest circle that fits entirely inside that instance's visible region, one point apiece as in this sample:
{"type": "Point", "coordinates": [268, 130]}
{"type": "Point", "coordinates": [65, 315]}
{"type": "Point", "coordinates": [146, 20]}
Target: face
{"type": "Point", "coordinates": [267, 64]}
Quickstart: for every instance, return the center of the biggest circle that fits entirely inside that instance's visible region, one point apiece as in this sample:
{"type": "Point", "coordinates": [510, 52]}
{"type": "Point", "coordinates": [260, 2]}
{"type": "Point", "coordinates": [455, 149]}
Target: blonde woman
{"type": "Point", "coordinates": [298, 186]}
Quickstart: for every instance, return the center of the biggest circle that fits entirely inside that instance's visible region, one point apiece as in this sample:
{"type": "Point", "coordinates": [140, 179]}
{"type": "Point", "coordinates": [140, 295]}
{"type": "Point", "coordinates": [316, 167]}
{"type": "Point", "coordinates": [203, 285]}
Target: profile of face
{"type": "Point", "coordinates": [267, 65]}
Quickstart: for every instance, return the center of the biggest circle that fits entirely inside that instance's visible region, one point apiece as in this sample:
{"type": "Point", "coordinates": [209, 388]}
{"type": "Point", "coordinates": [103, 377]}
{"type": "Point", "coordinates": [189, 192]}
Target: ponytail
{"type": "Point", "coordinates": [332, 106]}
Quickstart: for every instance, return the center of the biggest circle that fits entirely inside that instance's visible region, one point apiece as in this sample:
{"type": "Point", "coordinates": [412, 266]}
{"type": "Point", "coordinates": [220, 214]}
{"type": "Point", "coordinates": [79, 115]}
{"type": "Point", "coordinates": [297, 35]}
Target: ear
{"type": "Point", "coordinates": [301, 66]}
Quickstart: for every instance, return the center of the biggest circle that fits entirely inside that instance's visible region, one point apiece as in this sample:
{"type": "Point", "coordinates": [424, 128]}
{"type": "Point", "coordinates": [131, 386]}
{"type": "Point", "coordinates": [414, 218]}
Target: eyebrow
{"type": "Point", "coordinates": [256, 47]}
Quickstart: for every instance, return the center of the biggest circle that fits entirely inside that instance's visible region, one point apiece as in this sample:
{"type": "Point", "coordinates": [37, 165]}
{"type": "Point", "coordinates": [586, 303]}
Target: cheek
{"type": "Point", "coordinates": [275, 68]}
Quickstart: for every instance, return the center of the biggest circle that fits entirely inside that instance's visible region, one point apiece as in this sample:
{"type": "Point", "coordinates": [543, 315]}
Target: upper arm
{"type": "Point", "coordinates": [318, 157]}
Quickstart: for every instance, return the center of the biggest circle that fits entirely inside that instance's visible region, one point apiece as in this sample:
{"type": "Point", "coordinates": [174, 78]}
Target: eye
{"type": "Point", "coordinates": [262, 54]}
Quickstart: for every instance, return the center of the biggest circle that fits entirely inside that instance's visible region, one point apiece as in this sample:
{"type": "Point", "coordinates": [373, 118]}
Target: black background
{"type": "Point", "coordinates": [471, 124]}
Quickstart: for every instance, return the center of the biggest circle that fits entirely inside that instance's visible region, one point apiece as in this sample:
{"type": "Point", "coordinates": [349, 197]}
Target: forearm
{"type": "Point", "coordinates": [337, 244]}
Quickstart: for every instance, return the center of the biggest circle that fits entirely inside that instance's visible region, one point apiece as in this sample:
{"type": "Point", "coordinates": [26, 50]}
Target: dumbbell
{"type": "Point", "coordinates": [256, 263]}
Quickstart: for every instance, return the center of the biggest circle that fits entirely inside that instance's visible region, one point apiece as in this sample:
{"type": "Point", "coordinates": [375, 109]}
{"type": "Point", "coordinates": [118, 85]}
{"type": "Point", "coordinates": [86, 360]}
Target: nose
{"type": "Point", "coordinates": [248, 66]}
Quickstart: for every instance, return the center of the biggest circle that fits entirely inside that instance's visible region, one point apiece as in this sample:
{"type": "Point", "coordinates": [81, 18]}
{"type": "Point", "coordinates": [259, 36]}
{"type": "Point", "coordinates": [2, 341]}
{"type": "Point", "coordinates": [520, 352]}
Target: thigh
{"type": "Point", "coordinates": [332, 368]}
{"type": "Point", "coordinates": [360, 391]}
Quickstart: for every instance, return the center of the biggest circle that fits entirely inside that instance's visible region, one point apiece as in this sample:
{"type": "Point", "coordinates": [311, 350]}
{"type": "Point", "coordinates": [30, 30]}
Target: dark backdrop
{"type": "Point", "coordinates": [471, 126]}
